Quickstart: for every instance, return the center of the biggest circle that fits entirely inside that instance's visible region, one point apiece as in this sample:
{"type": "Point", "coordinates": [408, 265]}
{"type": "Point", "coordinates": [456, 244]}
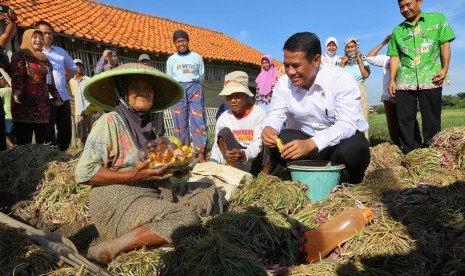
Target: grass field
{"type": "Point", "coordinates": [378, 128]}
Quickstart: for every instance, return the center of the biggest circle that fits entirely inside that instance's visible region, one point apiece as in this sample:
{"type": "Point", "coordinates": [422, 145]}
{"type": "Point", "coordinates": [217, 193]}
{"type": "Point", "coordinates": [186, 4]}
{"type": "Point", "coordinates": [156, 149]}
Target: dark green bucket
{"type": "Point", "coordinates": [319, 176]}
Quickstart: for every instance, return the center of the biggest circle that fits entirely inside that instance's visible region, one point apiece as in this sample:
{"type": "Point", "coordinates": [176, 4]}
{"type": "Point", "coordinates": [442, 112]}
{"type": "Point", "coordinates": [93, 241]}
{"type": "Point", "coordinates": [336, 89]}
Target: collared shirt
{"type": "Point", "coordinates": [77, 90]}
{"type": "Point", "coordinates": [329, 111]}
{"type": "Point", "coordinates": [383, 61]}
{"type": "Point", "coordinates": [60, 61]}
{"type": "Point", "coordinates": [186, 68]}
{"type": "Point", "coordinates": [419, 50]}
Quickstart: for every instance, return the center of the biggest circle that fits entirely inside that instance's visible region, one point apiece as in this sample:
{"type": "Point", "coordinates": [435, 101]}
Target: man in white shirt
{"type": "Point", "coordinates": [321, 104]}
{"type": "Point", "coordinates": [238, 130]}
{"type": "Point", "coordinates": [63, 70]}
{"type": "Point", "coordinates": [82, 121]}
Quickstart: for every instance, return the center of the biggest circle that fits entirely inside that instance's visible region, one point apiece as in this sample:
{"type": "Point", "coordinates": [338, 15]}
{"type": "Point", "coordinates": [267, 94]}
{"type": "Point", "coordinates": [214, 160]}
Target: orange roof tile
{"type": "Point", "coordinates": [124, 28]}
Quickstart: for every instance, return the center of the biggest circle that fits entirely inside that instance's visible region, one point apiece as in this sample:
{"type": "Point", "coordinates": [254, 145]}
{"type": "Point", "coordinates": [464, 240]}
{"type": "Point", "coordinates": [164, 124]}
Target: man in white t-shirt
{"type": "Point", "coordinates": [238, 130]}
{"type": "Point", "coordinates": [321, 104]}
{"type": "Point", "coordinates": [389, 102]}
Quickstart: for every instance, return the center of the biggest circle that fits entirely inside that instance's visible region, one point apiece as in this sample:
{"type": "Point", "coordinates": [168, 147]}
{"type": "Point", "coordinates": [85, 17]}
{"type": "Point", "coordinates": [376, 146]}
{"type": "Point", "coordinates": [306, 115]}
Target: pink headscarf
{"type": "Point", "coordinates": [266, 79]}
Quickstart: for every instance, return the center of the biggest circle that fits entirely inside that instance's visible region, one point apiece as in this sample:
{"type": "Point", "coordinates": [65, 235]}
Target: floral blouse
{"type": "Point", "coordinates": [109, 145]}
{"type": "Point", "coordinates": [29, 75]}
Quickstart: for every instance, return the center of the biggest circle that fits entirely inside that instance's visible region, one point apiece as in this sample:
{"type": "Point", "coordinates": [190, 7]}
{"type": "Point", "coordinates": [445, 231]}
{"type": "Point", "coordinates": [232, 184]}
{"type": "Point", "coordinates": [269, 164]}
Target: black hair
{"type": "Point", "coordinates": [304, 42]}
{"type": "Point", "coordinates": [111, 48]}
{"type": "Point", "coordinates": [36, 25]}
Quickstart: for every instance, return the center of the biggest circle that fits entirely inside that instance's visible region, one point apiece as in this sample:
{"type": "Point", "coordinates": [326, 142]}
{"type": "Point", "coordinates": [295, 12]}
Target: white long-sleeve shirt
{"type": "Point", "coordinates": [247, 130]}
{"type": "Point", "coordinates": [60, 61]}
{"type": "Point", "coordinates": [329, 111]}
{"type": "Point", "coordinates": [383, 61]}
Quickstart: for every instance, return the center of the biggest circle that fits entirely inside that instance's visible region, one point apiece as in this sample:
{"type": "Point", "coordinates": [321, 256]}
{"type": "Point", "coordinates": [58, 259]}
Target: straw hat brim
{"type": "Point", "coordinates": [100, 90]}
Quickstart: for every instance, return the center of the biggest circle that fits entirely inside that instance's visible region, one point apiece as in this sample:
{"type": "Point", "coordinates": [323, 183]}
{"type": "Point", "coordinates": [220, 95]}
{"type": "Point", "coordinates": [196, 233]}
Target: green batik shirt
{"type": "Point", "coordinates": [419, 50]}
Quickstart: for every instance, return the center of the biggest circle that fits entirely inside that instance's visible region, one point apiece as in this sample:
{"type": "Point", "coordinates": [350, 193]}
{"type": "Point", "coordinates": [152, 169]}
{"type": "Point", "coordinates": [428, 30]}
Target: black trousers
{"type": "Point", "coordinates": [353, 152]}
{"type": "Point", "coordinates": [430, 108]}
{"type": "Point", "coordinates": [61, 118]}
{"type": "Point", "coordinates": [232, 143]}
{"type": "Point", "coordinates": [24, 133]}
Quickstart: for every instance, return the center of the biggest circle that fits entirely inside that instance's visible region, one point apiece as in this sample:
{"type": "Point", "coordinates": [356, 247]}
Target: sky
{"type": "Point", "coordinates": [266, 24]}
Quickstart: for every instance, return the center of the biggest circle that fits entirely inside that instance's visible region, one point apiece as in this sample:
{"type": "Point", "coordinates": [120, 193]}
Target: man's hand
{"type": "Point", "coordinates": [106, 53]}
{"type": "Point", "coordinates": [392, 88]}
{"type": "Point", "coordinates": [143, 172]}
{"type": "Point", "coordinates": [9, 17]}
{"type": "Point", "coordinates": [235, 155]}
{"type": "Point", "coordinates": [12, 16]}
{"type": "Point", "coordinates": [439, 77]}
{"type": "Point", "coordinates": [297, 149]}
{"type": "Point", "coordinates": [269, 136]}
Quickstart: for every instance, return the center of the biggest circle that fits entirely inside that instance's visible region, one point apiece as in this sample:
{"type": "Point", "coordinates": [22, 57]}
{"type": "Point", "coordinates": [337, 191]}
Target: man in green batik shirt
{"type": "Point", "coordinates": [420, 53]}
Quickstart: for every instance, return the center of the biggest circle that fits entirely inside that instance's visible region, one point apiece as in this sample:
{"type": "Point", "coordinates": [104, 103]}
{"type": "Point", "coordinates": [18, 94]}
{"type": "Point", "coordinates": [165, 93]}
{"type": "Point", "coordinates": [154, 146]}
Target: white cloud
{"type": "Point", "coordinates": [454, 11]}
{"type": "Point", "coordinates": [451, 8]}
{"type": "Point", "coordinates": [243, 35]}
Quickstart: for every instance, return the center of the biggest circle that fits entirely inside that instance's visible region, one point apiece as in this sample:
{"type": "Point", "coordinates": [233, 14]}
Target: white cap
{"type": "Point", "coordinates": [76, 61]}
{"type": "Point", "coordinates": [144, 56]}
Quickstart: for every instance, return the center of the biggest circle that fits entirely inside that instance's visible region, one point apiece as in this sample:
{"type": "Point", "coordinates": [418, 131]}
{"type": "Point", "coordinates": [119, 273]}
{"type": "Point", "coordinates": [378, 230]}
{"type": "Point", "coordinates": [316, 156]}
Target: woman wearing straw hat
{"type": "Point", "coordinates": [133, 205]}
{"type": "Point", "coordinates": [239, 129]}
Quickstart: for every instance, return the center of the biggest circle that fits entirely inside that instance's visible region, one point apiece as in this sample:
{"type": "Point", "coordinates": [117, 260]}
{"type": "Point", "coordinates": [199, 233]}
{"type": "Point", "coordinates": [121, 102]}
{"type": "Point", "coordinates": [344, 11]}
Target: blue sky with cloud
{"type": "Point", "coordinates": [266, 24]}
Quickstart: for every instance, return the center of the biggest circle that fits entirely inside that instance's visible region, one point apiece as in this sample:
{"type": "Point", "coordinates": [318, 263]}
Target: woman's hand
{"type": "Point", "coordinates": [57, 102]}
{"type": "Point", "coordinates": [359, 56]}
{"type": "Point", "coordinates": [16, 95]}
{"type": "Point", "coordinates": [344, 60]}
{"type": "Point", "coordinates": [181, 173]}
{"type": "Point", "coordinates": [143, 172]}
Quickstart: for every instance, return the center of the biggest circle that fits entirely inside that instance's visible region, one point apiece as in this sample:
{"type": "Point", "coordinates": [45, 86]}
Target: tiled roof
{"type": "Point", "coordinates": [128, 29]}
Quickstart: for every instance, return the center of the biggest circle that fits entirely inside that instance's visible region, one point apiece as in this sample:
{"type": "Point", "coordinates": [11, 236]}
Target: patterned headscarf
{"type": "Point", "coordinates": [266, 79]}
{"type": "Point", "coordinates": [352, 55]}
